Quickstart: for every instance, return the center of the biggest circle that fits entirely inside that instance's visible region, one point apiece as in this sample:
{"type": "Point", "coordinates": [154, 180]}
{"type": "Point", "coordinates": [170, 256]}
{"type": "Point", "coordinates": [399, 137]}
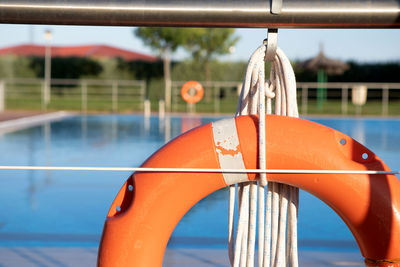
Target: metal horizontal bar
{"type": "Point", "coordinates": [205, 13]}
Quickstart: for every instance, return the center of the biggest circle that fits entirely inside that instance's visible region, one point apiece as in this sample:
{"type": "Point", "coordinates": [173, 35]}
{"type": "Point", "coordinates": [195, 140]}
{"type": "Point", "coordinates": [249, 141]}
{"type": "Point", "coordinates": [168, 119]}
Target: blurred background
{"type": "Point", "coordinates": [115, 69]}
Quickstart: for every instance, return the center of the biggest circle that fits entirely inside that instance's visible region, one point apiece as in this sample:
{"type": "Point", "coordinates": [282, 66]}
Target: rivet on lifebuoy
{"type": "Point", "coordinates": [192, 92]}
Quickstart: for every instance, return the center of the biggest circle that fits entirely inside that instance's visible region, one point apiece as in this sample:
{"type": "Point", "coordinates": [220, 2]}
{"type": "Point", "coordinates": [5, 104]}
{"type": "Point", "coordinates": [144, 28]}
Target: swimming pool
{"type": "Point", "coordinates": [64, 208]}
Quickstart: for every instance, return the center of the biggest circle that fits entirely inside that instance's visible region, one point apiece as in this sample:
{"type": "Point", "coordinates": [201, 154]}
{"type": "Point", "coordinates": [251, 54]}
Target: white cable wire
{"type": "Point", "coordinates": [292, 254]}
{"type": "Point", "coordinates": [231, 237]}
{"type": "Point", "coordinates": [192, 170]}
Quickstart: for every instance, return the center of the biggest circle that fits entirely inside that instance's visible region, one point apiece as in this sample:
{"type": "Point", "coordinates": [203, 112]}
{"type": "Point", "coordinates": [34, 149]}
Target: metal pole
{"type": "Point", "coordinates": [161, 109]}
{"type": "Point", "coordinates": [47, 70]}
{"type": "Point", "coordinates": [147, 114]}
{"type": "Point", "coordinates": [47, 74]}
{"type": "Point", "coordinates": [205, 13]}
{"type": "Point", "coordinates": [147, 108]}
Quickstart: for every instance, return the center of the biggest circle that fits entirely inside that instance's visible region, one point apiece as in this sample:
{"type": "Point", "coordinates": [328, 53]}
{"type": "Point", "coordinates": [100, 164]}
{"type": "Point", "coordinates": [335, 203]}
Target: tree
{"type": "Point", "coordinates": [206, 43]}
{"type": "Point", "coordinates": [67, 67]}
{"type": "Point", "coordinates": [15, 67]}
{"type": "Point", "coordinates": [165, 41]}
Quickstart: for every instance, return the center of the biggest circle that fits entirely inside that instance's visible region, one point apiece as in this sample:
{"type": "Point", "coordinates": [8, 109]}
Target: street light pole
{"type": "Point", "coordinates": [47, 69]}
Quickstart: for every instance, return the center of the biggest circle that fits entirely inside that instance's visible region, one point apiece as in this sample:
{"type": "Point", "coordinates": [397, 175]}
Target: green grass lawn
{"type": "Point", "coordinates": [371, 108]}
{"type": "Point", "coordinates": [101, 103]}
{"type": "Point", "coordinates": [331, 107]}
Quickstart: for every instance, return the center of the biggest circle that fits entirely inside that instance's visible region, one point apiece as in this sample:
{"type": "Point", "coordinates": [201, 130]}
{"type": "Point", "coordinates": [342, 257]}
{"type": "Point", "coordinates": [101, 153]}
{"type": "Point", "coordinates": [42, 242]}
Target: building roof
{"type": "Point", "coordinates": [97, 51]}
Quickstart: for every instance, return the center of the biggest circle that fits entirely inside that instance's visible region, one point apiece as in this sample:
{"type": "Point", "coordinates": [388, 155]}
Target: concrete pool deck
{"type": "Point", "coordinates": [86, 257]}
{"type": "Point", "coordinates": [16, 120]}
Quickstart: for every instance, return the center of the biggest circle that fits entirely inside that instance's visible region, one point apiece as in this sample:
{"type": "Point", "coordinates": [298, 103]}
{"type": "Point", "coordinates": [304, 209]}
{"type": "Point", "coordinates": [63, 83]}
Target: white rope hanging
{"type": "Point", "coordinates": [281, 200]}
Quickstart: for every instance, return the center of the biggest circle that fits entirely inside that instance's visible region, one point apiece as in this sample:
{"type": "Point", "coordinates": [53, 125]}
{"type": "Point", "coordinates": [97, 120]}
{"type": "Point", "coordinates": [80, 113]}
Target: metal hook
{"type": "Point", "coordinates": [272, 44]}
{"type": "Point", "coordinates": [272, 36]}
{"type": "Point", "coordinates": [276, 6]}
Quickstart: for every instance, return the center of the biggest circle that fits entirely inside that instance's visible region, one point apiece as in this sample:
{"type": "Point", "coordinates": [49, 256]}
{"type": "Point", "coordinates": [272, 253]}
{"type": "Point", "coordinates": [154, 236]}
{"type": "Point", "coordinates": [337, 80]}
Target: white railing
{"type": "Point", "coordinates": [306, 91]}
{"type": "Point", "coordinates": [120, 95]}
{"type": "Point", "coordinates": [345, 93]}
{"type": "Point", "coordinates": [84, 95]}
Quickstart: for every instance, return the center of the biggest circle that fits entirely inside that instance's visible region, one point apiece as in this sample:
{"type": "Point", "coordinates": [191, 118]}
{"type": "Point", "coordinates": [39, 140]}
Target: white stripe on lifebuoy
{"type": "Point", "coordinates": [227, 146]}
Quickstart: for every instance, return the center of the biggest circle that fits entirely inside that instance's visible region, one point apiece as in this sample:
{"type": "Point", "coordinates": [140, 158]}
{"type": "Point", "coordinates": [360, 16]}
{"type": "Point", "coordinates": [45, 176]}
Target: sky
{"type": "Point", "coordinates": [361, 45]}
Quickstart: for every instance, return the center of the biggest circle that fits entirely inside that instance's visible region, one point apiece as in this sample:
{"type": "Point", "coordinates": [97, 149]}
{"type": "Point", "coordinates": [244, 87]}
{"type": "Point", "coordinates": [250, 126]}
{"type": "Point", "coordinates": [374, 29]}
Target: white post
{"type": "Point", "coordinates": [147, 108]}
{"type": "Point", "coordinates": [115, 97]}
{"type": "Point", "coordinates": [161, 116]}
{"type": "Point", "coordinates": [2, 96]}
{"type": "Point", "coordinates": [161, 109]}
{"type": "Point", "coordinates": [47, 70]}
{"type": "Point", "coordinates": [167, 129]}
{"type": "Point", "coordinates": [84, 97]}
{"type": "Point", "coordinates": [147, 113]}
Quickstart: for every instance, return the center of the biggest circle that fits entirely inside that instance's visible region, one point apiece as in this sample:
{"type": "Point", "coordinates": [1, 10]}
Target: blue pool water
{"type": "Point", "coordinates": [64, 208]}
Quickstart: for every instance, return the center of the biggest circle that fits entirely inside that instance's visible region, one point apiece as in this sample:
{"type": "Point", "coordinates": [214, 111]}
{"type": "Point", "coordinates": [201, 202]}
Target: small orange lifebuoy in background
{"type": "Point", "coordinates": [192, 85]}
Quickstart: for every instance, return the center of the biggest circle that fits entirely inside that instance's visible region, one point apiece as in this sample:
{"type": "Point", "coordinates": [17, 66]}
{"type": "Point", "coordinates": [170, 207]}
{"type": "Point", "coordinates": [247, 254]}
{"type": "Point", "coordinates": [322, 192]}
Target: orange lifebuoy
{"type": "Point", "coordinates": [151, 204]}
{"type": "Point", "coordinates": [192, 85]}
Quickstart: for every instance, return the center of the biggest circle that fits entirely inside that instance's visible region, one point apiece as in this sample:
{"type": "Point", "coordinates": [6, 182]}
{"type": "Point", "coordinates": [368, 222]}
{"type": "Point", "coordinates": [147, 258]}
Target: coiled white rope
{"type": "Point", "coordinates": [244, 247]}
{"type": "Point", "coordinates": [282, 200]}
{"type": "Point", "coordinates": [282, 76]}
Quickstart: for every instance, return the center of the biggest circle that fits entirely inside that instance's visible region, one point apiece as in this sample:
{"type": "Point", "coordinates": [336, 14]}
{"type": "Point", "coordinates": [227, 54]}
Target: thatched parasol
{"type": "Point", "coordinates": [323, 66]}
{"type": "Point", "coordinates": [328, 65]}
